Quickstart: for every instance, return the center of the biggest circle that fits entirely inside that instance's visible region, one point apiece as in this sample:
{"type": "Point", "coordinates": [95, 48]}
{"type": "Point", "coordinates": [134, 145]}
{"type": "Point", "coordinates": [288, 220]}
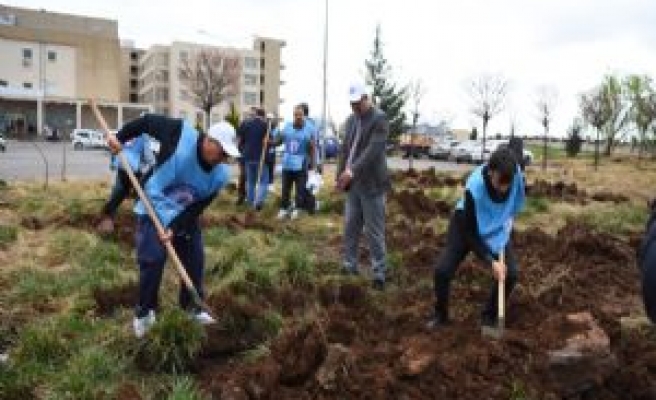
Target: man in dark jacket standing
{"type": "Point", "coordinates": [362, 175]}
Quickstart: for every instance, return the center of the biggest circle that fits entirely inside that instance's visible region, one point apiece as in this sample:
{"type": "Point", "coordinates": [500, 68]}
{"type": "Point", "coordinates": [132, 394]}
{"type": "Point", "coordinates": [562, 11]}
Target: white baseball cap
{"type": "Point", "coordinates": [357, 90]}
{"type": "Point", "coordinates": [224, 133]}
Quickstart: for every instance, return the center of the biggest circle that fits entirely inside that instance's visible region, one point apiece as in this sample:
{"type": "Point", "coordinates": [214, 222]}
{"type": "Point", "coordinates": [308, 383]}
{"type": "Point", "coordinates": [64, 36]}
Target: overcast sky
{"type": "Point", "coordinates": [565, 44]}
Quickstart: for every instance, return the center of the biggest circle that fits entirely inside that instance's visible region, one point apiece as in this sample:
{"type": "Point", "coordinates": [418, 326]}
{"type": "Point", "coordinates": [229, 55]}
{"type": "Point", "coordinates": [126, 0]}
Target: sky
{"type": "Point", "coordinates": [566, 46]}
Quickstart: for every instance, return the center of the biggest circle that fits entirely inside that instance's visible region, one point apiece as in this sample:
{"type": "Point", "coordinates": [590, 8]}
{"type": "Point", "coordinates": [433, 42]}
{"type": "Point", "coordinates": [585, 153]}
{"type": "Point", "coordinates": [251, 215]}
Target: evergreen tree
{"type": "Point", "coordinates": [387, 95]}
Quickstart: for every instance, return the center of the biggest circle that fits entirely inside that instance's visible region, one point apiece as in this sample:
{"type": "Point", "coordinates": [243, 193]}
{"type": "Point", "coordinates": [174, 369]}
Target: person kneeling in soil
{"type": "Point", "coordinates": [482, 223]}
{"type": "Point", "coordinates": [647, 263]}
{"type": "Point", "coordinates": [141, 158]}
{"type": "Point", "coordinates": [191, 170]}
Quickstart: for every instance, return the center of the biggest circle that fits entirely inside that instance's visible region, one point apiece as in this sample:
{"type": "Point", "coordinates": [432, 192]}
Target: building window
{"type": "Point", "coordinates": [3, 83]}
{"type": "Point", "coordinates": [250, 62]}
{"type": "Point", "coordinates": [184, 95]}
{"type": "Point", "coordinates": [27, 85]}
{"type": "Point", "coordinates": [134, 98]}
{"type": "Point", "coordinates": [261, 96]}
{"type": "Point", "coordinates": [27, 54]}
{"type": "Point", "coordinates": [250, 80]}
{"type": "Point", "coordinates": [250, 98]}
{"type": "Point", "coordinates": [261, 79]}
{"type": "Point", "coordinates": [52, 56]}
{"type": "Point", "coordinates": [262, 63]}
{"type": "Point", "coordinates": [134, 70]}
{"type": "Point", "coordinates": [262, 47]}
{"type": "Point", "coordinates": [184, 56]}
{"type": "Point", "coordinates": [133, 84]}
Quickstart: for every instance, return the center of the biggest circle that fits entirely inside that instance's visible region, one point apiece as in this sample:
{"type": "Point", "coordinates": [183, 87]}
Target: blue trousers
{"type": "Point", "coordinates": [262, 187]}
{"type": "Point", "coordinates": [151, 257]}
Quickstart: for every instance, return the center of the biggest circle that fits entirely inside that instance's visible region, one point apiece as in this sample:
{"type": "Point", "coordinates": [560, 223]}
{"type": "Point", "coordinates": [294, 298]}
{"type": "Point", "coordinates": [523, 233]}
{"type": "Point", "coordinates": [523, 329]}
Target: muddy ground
{"type": "Point", "coordinates": [342, 340]}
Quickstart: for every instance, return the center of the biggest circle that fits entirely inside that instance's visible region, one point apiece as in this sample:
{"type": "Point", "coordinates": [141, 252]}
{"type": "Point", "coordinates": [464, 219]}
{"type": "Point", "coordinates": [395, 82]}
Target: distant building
{"type": "Point", "coordinates": [259, 86]}
{"type": "Point", "coordinates": [52, 63]}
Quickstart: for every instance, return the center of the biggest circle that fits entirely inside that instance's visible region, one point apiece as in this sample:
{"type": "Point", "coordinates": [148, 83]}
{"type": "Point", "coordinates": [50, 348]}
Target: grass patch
{"type": "Point", "coordinates": [616, 219]}
{"type": "Point", "coordinates": [67, 245]}
{"type": "Point", "coordinates": [34, 285]}
{"type": "Point", "coordinates": [534, 205]}
{"type": "Point", "coordinates": [184, 389]}
{"type": "Point", "coordinates": [91, 374]}
{"type": "Point", "coordinates": [297, 264]}
{"type": "Point", "coordinates": [171, 344]}
{"type": "Point", "coordinates": [8, 235]}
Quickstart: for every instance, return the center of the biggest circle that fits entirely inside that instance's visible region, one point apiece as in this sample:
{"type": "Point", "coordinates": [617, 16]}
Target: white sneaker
{"type": "Point", "coordinates": [294, 214]}
{"type": "Point", "coordinates": [282, 214]}
{"type": "Point", "coordinates": [204, 318]}
{"type": "Point", "coordinates": [142, 325]}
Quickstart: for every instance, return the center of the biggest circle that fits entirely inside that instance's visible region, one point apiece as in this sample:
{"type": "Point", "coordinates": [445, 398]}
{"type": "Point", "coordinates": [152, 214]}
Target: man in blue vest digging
{"type": "Point", "coordinates": [191, 169]}
{"type": "Point", "coordinates": [482, 223]}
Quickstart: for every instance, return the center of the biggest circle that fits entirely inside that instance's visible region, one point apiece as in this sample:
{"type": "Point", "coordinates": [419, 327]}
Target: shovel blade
{"type": "Point", "coordinates": [494, 332]}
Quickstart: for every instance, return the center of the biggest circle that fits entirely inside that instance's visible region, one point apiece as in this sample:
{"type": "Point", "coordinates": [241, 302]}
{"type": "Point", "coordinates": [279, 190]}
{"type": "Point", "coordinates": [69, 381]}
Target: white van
{"type": "Point", "coordinates": [88, 139]}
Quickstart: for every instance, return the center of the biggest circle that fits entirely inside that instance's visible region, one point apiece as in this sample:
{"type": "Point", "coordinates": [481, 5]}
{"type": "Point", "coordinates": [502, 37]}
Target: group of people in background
{"type": "Point", "coordinates": [259, 135]}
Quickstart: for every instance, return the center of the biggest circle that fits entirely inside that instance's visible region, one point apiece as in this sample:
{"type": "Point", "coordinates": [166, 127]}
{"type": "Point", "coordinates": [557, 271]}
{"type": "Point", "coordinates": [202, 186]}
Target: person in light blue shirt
{"type": "Point", "coordinates": [297, 158]}
{"type": "Point", "coordinates": [482, 223]}
{"type": "Point", "coordinates": [141, 158]}
{"type": "Point", "coordinates": [191, 169]}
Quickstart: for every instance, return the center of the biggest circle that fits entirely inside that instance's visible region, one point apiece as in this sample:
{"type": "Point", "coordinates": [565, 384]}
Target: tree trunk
{"type": "Point", "coordinates": [485, 121]}
{"type": "Point", "coordinates": [596, 162]}
{"type": "Point", "coordinates": [544, 148]}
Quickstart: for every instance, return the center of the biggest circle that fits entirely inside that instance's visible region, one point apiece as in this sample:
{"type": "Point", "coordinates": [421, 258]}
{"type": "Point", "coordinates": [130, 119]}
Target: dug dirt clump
{"type": "Point", "coordinates": [239, 327]}
{"type": "Point", "coordinates": [108, 300]}
{"type": "Point", "coordinates": [300, 351]}
{"type": "Point", "coordinates": [349, 294]}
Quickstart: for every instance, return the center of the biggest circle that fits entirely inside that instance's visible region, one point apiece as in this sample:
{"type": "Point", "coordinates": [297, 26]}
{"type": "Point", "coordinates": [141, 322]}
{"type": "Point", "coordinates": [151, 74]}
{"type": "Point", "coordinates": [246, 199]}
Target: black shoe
{"type": "Point", "coordinates": [379, 284]}
{"type": "Point", "coordinates": [437, 322]}
{"type": "Point", "coordinates": [489, 320]}
{"type": "Point", "coordinates": [258, 207]}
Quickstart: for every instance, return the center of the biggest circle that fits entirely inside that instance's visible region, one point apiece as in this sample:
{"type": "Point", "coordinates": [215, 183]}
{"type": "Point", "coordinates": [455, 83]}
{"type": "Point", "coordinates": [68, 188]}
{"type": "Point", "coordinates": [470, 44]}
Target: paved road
{"type": "Point", "coordinates": [22, 161]}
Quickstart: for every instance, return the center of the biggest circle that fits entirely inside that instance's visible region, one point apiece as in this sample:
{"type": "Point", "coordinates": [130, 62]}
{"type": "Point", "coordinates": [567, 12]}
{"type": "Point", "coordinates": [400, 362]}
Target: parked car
{"type": "Point", "coordinates": [463, 152]}
{"type": "Point", "coordinates": [3, 143]}
{"type": "Point", "coordinates": [442, 149]}
{"type": "Point", "coordinates": [88, 139]}
{"type": "Point", "coordinates": [528, 157]}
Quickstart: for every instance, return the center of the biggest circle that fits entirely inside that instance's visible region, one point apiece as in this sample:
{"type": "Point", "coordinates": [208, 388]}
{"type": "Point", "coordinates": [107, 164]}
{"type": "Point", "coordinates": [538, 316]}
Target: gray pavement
{"type": "Point", "coordinates": [22, 162]}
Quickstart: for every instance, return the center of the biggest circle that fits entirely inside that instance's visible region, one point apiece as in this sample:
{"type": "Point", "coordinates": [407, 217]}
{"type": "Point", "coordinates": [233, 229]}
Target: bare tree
{"type": "Point", "coordinates": [596, 110]}
{"type": "Point", "coordinates": [642, 96]}
{"type": "Point", "coordinates": [417, 92]}
{"type": "Point", "coordinates": [212, 77]}
{"type": "Point", "coordinates": [488, 94]}
{"type": "Point", "coordinates": [546, 101]}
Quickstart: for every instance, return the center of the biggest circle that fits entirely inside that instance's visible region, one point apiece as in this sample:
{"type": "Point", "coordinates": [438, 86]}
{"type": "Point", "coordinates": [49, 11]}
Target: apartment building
{"type": "Point", "coordinates": [52, 63]}
{"type": "Point", "coordinates": [259, 84]}
{"type": "Point", "coordinates": [130, 57]}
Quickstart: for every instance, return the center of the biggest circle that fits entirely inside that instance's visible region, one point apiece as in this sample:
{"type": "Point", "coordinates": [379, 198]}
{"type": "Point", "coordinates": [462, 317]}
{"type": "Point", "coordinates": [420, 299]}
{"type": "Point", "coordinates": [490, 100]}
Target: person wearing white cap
{"type": "Point", "coordinates": [362, 174]}
{"type": "Point", "coordinates": [191, 169]}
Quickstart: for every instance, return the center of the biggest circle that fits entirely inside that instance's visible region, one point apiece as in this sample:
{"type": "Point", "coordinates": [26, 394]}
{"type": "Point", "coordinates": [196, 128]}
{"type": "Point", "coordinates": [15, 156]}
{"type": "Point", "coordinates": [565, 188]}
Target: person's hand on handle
{"type": "Point", "coordinates": [499, 270]}
{"type": "Point", "coordinates": [114, 145]}
{"type": "Point", "coordinates": [344, 179]}
{"type": "Point", "coordinates": [166, 236]}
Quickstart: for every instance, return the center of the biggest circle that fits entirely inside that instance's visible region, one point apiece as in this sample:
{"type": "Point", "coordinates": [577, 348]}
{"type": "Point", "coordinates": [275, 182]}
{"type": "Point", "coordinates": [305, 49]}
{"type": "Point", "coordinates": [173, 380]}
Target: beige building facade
{"type": "Point", "coordinates": [52, 63]}
{"type": "Point", "coordinates": [259, 83]}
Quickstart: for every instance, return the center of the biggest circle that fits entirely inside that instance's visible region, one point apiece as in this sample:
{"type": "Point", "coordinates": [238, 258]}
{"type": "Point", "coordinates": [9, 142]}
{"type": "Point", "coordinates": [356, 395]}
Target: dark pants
{"type": "Point", "coordinates": [454, 253]}
{"type": "Point", "coordinates": [120, 191]}
{"type": "Point", "coordinates": [298, 180]}
{"type": "Point", "coordinates": [241, 182]}
{"type": "Point", "coordinates": [647, 259]}
{"type": "Point", "coordinates": [271, 167]}
{"type": "Point", "coordinates": [151, 257]}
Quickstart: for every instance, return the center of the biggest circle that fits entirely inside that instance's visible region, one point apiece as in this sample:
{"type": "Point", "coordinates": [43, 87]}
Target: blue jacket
{"type": "Point", "coordinates": [494, 218]}
{"type": "Point", "coordinates": [297, 146]}
{"type": "Point", "coordinates": [182, 185]}
{"type": "Point", "coordinates": [138, 153]}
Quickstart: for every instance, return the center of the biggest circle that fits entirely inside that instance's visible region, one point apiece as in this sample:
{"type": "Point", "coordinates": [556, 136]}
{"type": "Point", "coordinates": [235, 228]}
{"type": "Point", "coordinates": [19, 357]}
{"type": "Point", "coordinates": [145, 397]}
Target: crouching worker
{"type": "Point", "coordinates": [647, 263]}
{"type": "Point", "coordinates": [482, 223]}
{"type": "Point", "coordinates": [141, 158]}
{"type": "Point", "coordinates": [191, 170]}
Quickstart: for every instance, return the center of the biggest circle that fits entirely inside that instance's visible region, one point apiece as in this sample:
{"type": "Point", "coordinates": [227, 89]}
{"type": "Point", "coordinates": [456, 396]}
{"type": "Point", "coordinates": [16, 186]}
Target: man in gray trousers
{"type": "Point", "coordinates": [362, 175]}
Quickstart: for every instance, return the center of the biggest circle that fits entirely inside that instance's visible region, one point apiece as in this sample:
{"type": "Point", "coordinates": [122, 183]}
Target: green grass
{"type": "Point", "coordinates": [91, 374]}
{"type": "Point", "coordinates": [67, 245]}
{"type": "Point", "coordinates": [298, 265]}
{"type": "Point", "coordinates": [35, 285]}
{"type": "Point", "coordinates": [172, 343]}
{"type": "Point", "coordinates": [534, 205]}
{"type": "Point", "coordinates": [183, 388]}
{"type": "Point", "coordinates": [616, 219]}
{"type": "Point", "coordinates": [8, 235]}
